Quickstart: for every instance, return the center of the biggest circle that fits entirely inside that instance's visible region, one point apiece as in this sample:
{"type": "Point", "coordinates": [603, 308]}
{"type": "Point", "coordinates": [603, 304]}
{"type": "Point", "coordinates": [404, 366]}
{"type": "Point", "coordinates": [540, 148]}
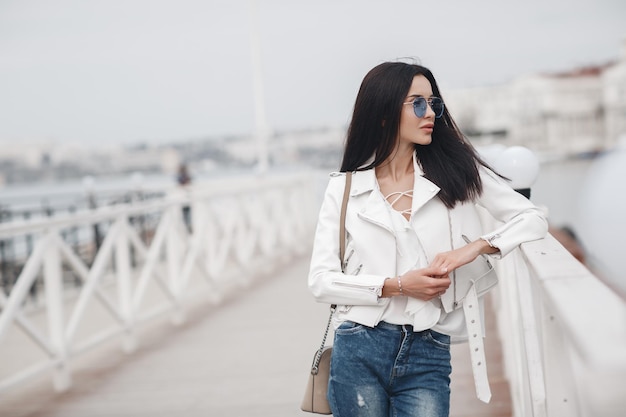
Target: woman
{"type": "Point", "coordinates": [416, 186]}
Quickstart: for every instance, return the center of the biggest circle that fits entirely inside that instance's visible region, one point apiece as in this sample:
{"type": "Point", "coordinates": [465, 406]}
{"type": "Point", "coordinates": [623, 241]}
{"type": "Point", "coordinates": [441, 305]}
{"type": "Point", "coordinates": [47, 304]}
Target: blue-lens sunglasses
{"type": "Point", "coordinates": [420, 106]}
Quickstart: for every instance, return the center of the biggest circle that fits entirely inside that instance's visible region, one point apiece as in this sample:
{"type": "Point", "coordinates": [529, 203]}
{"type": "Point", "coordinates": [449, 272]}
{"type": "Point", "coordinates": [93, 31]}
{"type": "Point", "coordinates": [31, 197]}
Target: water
{"type": "Point", "coordinates": [58, 196]}
{"type": "Point", "coordinates": [558, 189]}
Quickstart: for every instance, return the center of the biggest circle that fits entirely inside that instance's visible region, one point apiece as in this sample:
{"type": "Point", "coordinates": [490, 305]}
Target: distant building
{"type": "Point", "coordinates": [560, 112]}
{"type": "Point", "coordinates": [573, 112]}
{"type": "Point", "coordinates": [614, 99]}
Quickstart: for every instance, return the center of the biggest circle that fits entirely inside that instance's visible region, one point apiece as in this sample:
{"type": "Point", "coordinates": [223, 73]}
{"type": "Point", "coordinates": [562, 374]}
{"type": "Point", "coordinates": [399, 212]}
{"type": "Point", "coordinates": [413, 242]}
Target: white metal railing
{"type": "Point", "coordinates": [563, 333]}
{"type": "Point", "coordinates": [239, 227]}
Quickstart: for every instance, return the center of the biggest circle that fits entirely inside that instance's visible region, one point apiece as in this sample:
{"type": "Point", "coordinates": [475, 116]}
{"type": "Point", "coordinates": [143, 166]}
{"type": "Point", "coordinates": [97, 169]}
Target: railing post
{"type": "Point", "coordinates": [54, 303]}
{"type": "Point", "coordinates": [173, 249]}
{"type": "Point", "coordinates": [124, 284]}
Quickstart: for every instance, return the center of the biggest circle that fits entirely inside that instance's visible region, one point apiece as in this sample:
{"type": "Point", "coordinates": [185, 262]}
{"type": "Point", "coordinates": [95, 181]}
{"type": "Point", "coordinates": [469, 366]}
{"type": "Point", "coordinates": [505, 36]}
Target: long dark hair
{"type": "Point", "coordinates": [449, 161]}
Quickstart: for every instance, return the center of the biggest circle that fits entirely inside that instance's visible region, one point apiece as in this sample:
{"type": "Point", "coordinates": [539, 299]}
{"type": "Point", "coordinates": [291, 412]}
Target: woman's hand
{"type": "Point", "coordinates": [454, 259]}
{"type": "Point", "coordinates": [424, 284]}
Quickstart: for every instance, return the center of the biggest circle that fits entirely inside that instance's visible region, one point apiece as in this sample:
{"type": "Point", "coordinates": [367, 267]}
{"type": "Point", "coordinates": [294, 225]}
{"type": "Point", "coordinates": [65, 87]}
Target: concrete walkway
{"type": "Point", "coordinates": [248, 357]}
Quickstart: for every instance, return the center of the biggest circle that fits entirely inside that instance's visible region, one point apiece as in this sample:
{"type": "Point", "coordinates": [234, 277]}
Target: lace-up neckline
{"type": "Point", "coordinates": [394, 197]}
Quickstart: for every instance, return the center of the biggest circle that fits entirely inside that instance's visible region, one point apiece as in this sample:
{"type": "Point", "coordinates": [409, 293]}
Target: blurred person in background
{"type": "Point", "coordinates": [184, 181]}
{"type": "Point", "coordinates": [183, 176]}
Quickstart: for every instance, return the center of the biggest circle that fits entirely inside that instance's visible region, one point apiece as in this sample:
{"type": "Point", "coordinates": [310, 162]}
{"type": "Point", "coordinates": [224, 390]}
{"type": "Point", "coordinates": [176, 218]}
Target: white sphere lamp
{"type": "Point", "coordinates": [520, 165]}
{"type": "Point", "coordinates": [490, 153]}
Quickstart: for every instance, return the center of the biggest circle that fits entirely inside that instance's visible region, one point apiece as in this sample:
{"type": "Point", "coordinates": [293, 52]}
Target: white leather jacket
{"type": "Point", "coordinates": [371, 248]}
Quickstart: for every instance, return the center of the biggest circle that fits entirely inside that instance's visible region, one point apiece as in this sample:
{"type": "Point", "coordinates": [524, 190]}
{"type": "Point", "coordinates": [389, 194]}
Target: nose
{"type": "Point", "coordinates": [430, 113]}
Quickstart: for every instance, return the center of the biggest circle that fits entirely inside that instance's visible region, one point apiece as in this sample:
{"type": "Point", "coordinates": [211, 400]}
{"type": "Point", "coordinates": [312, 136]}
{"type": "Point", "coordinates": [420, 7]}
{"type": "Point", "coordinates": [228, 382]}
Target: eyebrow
{"type": "Point", "coordinates": [418, 95]}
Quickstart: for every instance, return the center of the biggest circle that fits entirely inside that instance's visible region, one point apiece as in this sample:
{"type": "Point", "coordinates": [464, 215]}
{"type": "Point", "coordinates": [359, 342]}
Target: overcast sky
{"type": "Point", "coordinates": [123, 71]}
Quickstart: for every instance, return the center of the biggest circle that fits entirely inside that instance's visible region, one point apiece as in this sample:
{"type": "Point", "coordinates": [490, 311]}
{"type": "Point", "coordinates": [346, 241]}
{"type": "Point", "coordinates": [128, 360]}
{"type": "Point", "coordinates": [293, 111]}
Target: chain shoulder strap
{"type": "Point", "coordinates": [342, 252]}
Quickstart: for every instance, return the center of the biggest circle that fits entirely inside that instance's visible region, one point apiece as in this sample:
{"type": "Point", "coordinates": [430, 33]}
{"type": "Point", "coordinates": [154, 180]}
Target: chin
{"type": "Point", "coordinates": [424, 141]}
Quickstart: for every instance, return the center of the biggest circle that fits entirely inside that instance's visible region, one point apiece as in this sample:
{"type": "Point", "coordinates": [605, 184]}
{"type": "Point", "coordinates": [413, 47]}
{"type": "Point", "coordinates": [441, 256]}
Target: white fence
{"type": "Point", "coordinates": [240, 228]}
{"type": "Point", "coordinates": [563, 333]}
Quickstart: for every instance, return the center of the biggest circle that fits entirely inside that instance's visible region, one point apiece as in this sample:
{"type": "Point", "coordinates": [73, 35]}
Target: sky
{"type": "Point", "coordinates": [153, 71]}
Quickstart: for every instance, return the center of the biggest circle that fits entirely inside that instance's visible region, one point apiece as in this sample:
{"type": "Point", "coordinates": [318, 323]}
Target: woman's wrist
{"type": "Point", "coordinates": [485, 247]}
{"type": "Point", "coordinates": [392, 287]}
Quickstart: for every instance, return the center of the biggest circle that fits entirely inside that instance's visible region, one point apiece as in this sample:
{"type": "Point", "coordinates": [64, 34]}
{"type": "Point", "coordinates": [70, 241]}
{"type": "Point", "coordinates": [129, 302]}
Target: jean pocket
{"type": "Point", "coordinates": [349, 327]}
{"type": "Point", "coordinates": [440, 340]}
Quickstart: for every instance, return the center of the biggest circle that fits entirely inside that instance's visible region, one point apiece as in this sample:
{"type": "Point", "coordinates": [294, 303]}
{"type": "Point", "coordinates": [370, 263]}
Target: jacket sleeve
{"type": "Point", "coordinates": [326, 280]}
{"type": "Point", "coordinates": [522, 220]}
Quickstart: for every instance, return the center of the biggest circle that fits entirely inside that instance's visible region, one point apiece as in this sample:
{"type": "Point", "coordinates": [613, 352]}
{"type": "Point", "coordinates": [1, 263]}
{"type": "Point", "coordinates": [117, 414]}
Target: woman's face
{"type": "Point", "coordinates": [413, 129]}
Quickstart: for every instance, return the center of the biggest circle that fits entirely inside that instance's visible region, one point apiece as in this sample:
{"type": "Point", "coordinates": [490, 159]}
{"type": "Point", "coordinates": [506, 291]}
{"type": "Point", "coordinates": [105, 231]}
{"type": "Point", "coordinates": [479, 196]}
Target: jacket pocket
{"type": "Point", "coordinates": [352, 264]}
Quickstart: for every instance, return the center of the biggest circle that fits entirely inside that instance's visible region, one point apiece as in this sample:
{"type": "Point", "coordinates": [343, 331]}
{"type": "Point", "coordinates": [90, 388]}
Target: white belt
{"type": "Point", "coordinates": [477, 348]}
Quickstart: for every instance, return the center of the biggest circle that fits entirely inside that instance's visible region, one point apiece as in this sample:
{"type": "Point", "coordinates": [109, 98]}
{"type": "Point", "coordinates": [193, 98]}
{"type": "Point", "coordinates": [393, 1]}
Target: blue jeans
{"type": "Point", "coordinates": [389, 371]}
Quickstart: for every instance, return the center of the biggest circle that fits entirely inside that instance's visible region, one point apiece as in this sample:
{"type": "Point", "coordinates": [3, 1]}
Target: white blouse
{"type": "Point", "coordinates": [409, 255]}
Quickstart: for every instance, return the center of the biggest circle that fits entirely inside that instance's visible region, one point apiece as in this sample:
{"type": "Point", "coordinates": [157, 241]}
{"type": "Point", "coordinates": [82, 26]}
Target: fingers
{"type": "Point", "coordinates": [435, 271]}
{"type": "Point", "coordinates": [440, 285]}
{"type": "Point", "coordinates": [426, 283]}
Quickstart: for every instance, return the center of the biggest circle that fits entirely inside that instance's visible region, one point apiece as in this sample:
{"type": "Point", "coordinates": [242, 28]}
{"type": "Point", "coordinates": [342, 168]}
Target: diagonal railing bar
{"type": "Point", "coordinates": [193, 259]}
{"type": "Point", "coordinates": [247, 233]}
{"type": "Point", "coordinates": [23, 284]}
{"type": "Point", "coordinates": [175, 248]}
{"type": "Point", "coordinates": [53, 282]}
{"type": "Point", "coordinates": [83, 273]}
{"type": "Point", "coordinates": [97, 271]}
{"type": "Point", "coordinates": [149, 270]}
{"type": "Point", "coordinates": [28, 327]}
{"type": "Point", "coordinates": [124, 284]}
{"type": "Point", "coordinates": [221, 247]}
{"type": "Point", "coordinates": [266, 236]}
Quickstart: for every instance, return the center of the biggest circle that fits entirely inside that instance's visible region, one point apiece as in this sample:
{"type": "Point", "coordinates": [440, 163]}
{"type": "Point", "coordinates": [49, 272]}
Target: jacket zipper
{"type": "Point", "coordinates": [377, 223]}
{"type": "Point", "coordinates": [355, 286]}
{"type": "Point", "coordinates": [345, 263]}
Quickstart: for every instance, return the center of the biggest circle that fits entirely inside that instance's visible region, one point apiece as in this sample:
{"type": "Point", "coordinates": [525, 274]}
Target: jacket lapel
{"type": "Point", "coordinates": [373, 209]}
{"type": "Point", "coordinates": [423, 190]}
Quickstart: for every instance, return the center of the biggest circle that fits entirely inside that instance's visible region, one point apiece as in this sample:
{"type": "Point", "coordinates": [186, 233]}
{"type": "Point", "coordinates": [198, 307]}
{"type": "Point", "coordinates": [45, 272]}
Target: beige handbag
{"type": "Point", "coordinates": [316, 393]}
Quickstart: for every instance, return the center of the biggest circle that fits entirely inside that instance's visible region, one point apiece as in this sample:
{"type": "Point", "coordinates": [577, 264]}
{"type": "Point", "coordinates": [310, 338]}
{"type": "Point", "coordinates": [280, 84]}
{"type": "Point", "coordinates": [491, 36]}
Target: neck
{"type": "Point", "coordinates": [398, 166]}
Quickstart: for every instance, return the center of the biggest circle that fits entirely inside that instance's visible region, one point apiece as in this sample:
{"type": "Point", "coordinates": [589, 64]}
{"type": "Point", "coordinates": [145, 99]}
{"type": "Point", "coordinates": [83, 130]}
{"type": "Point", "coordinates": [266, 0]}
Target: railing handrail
{"type": "Point", "coordinates": [174, 196]}
{"type": "Point", "coordinates": [564, 335]}
{"type": "Point", "coordinates": [588, 312]}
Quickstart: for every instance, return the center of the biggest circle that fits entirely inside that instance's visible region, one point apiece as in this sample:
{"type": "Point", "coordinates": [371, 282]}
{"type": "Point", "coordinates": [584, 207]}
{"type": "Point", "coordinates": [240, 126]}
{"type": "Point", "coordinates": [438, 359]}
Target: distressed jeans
{"type": "Point", "coordinates": [389, 371]}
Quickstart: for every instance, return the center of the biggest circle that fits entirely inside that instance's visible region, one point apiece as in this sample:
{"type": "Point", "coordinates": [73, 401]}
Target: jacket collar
{"type": "Point", "coordinates": [375, 209]}
{"type": "Point", "coordinates": [423, 189]}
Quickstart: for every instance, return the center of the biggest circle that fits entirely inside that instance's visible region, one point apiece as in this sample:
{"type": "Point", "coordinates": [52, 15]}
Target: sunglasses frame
{"type": "Point", "coordinates": [420, 110]}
